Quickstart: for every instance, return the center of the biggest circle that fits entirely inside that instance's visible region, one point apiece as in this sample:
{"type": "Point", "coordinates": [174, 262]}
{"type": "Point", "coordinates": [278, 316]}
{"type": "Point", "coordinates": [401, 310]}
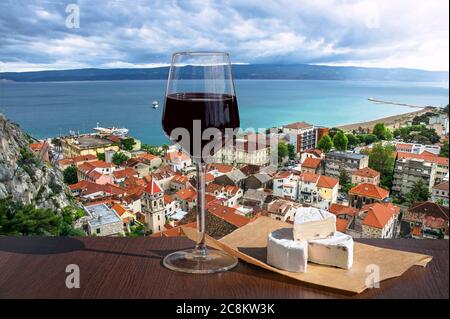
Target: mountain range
{"type": "Point", "coordinates": [240, 71]}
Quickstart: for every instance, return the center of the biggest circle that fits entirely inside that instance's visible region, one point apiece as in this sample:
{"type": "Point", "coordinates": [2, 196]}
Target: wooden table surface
{"type": "Point", "coordinates": [35, 267]}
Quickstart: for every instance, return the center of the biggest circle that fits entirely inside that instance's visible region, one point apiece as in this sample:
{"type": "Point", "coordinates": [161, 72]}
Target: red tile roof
{"type": "Point", "coordinates": [426, 156]}
{"type": "Point", "coordinates": [231, 189]}
{"type": "Point", "coordinates": [430, 209]}
{"type": "Point", "coordinates": [209, 178]}
{"type": "Point", "coordinates": [297, 125]}
{"type": "Point", "coordinates": [378, 216]}
{"type": "Point", "coordinates": [342, 225]}
{"type": "Point", "coordinates": [146, 156]}
{"type": "Point", "coordinates": [222, 168]}
{"type": "Point", "coordinates": [211, 188]}
{"type": "Point", "coordinates": [175, 231]}
{"type": "Point", "coordinates": [180, 179]}
{"type": "Point", "coordinates": [228, 214]}
{"type": "Point", "coordinates": [36, 146]}
{"type": "Point", "coordinates": [187, 194]}
{"type": "Point", "coordinates": [123, 173]}
{"type": "Point", "coordinates": [101, 164]}
{"type": "Point", "coordinates": [369, 190]}
{"type": "Point", "coordinates": [339, 209]}
{"type": "Point", "coordinates": [310, 162]}
{"type": "Point", "coordinates": [282, 175]}
{"type": "Point", "coordinates": [366, 172]}
{"type": "Point", "coordinates": [84, 158]}
{"type": "Point", "coordinates": [403, 146]}
{"type": "Point", "coordinates": [167, 199]}
{"type": "Point", "coordinates": [152, 188]}
{"type": "Point", "coordinates": [119, 209]}
{"type": "Point", "coordinates": [327, 182]}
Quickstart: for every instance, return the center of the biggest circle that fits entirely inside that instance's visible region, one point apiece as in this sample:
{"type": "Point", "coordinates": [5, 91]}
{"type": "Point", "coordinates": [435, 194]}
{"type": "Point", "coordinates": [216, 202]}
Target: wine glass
{"type": "Point", "coordinates": [200, 99]}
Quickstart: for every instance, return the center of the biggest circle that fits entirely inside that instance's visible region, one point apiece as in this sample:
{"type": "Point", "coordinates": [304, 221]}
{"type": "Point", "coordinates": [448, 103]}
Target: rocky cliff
{"type": "Point", "coordinates": [23, 176]}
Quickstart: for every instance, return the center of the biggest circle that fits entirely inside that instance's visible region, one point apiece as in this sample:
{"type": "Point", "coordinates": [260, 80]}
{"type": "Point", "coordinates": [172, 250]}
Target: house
{"type": "Point", "coordinates": [279, 179]}
{"type": "Point", "coordinates": [441, 163]}
{"type": "Point", "coordinates": [40, 150]}
{"type": "Point", "coordinates": [366, 175]}
{"type": "Point", "coordinates": [258, 180]}
{"type": "Point", "coordinates": [217, 169]}
{"type": "Point", "coordinates": [235, 177]}
{"type": "Point", "coordinates": [127, 216]}
{"type": "Point", "coordinates": [76, 145]}
{"type": "Point", "coordinates": [163, 175]}
{"type": "Point", "coordinates": [281, 209]}
{"type": "Point", "coordinates": [312, 165]}
{"type": "Point", "coordinates": [233, 195]}
{"type": "Point", "coordinates": [174, 231]}
{"type": "Point", "coordinates": [103, 221]}
{"type": "Point", "coordinates": [303, 136]}
{"type": "Point", "coordinates": [418, 213]}
{"type": "Point", "coordinates": [120, 175]}
{"type": "Point", "coordinates": [132, 199]}
{"type": "Point", "coordinates": [311, 153]}
{"type": "Point", "coordinates": [366, 193]}
{"type": "Point", "coordinates": [214, 189]}
{"type": "Point", "coordinates": [408, 171]}
{"type": "Point", "coordinates": [170, 205]}
{"type": "Point", "coordinates": [336, 161]}
{"type": "Point", "coordinates": [187, 198]}
{"type": "Point", "coordinates": [228, 214]}
{"type": "Point", "coordinates": [250, 169]}
{"type": "Point", "coordinates": [254, 198]}
{"type": "Point", "coordinates": [416, 148]}
{"type": "Point", "coordinates": [439, 193]}
{"type": "Point", "coordinates": [380, 220]}
{"type": "Point", "coordinates": [90, 191]}
{"type": "Point", "coordinates": [345, 215]}
{"type": "Point", "coordinates": [153, 206]}
{"type": "Point", "coordinates": [76, 161]}
{"type": "Point", "coordinates": [318, 190]}
{"type": "Point", "coordinates": [97, 171]}
{"type": "Point", "coordinates": [177, 160]}
{"type": "Point", "coordinates": [178, 182]}
{"type": "Point", "coordinates": [151, 160]}
{"type": "Point", "coordinates": [140, 167]}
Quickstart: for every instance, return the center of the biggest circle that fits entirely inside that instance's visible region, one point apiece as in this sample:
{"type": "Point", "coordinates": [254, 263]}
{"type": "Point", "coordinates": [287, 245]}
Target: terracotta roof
{"type": "Point", "coordinates": [36, 146]}
{"type": "Point", "coordinates": [88, 188]}
{"type": "Point", "coordinates": [433, 222]}
{"type": "Point", "coordinates": [180, 179]}
{"type": "Point", "coordinates": [426, 156]}
{"type": "Point", "coordinates": [311, 163]}
{"type": "Point", "coordinates": [297, 125]}
{"type": "Point", "coordinates": [282, 175]}
{"type": "Point", "coordinates": [209, 178]}
{"type": "Point", "coordinates": [369, 190]}
{"type": "Point", "coordinates": [86, 167]}
{"type": "Point", "coordinates": [94, 175]}
{"type": "Point", "coordinates": [118, 209]}
{"type": "Point", "coordinates": [146, 156]}
{"type": "Point", "coordinates": [79, 185]}
{"type": "Point", "coordinates": [209, 198]}
{"type": "Point", "coordinates": [378, 216]}
{"type": "Point", "coordinates": [366, 172]}
{"type": "Point", "coordinates": [152, 188]}
{"type": "Point", "coordinates": [231, 189]}
{"type": "Point", "coordinates": [175, 231]}
{"type": "Point", "coordinates": [342, 225]}
{"type": "Point", "coordinates": [100, 164]}
{"type": "Point", "coordinates": [339, 209]}
{"type": "Point", "coordinates": [430, 209]}
{"type": "Point", "coordinates": [442, 186]}
{"type": "Point", "coordinates": [228, 214]}
{"type": "Point", "coordinates": [403, 146]}
{"type": "Point", "coordinates": [392, 207]}
{"type": "Point", "coordinates": [222, 168]}
{"type": "Point", "coordinates": [167, 199]}
{"type": "Point", "coordinates": [188, 194]}
{"type": "Point", "coordinates": [134, 181]}
{"type": "Point", "coordinates": [123, 173]}
{"type": "Point", "coordinates": [84, 158]}
{"type": "Point", "coordinates": [314, 151]}
{"type": "Point", "coordinates": [211, 188]}
{"type": "Point", "coordinates": [327, 182]}
{"type": "Point", "coordinates": [309, 177]}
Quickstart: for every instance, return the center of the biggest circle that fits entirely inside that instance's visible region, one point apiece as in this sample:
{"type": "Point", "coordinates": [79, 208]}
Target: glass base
{"type": "Point", "coordinates": [190, 261]}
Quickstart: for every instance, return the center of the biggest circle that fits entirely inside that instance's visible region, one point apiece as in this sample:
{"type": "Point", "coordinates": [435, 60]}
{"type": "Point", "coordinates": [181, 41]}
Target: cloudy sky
{"type": "Point", "coordinates": [40, 34]}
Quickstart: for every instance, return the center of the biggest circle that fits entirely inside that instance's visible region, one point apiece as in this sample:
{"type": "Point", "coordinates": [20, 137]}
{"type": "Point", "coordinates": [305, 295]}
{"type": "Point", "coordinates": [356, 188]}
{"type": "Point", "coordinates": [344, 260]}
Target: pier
{"type": "Point", "coordinates": [399, 104]}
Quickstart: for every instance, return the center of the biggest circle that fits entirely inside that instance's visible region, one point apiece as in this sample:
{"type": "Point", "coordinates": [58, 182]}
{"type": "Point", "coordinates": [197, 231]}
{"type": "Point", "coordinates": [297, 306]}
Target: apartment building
{"type": "Point", "coordinates": [440, 193]}
{"type": "Point", "coordinates": [86, 144]}
{"type": "Point", "coordinates": [337, 161]}
{"type": "Point", "coordinates": [409, 171]}
{"type": "Point", "coordinates": [366, 175]}
{"type": "Point", "coordinates": [303, 136]}
{"type": "Point", "coordinates": [441, 163]}
{"type": "Point", "coordinates": [366, 193]}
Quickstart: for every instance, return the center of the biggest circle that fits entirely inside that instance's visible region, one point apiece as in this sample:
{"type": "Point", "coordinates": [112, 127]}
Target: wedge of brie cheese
{"type": "Point", "coordinates": [285, 253]}
{"type": "Point", "coordinates": [335, 251]}
{"type": "Point", "coordinates": [313, 223]}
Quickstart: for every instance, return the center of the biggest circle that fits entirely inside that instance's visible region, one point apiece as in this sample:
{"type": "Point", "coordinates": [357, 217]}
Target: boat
{"type": "Point", "coordinates": [117, 131]}
{"type": "Point", "coordinates": [155, 104]}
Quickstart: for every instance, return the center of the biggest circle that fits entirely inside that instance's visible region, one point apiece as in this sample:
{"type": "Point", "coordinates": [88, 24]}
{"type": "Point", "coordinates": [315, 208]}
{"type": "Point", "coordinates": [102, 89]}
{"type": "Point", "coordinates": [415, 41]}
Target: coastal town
{"type": "Point", "coordinates": [383, 180]}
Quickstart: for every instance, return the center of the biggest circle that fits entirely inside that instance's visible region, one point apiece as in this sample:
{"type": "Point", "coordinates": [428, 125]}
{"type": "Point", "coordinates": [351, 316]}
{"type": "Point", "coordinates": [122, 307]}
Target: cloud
{"type": "Point", "coordinates": [144, 33]}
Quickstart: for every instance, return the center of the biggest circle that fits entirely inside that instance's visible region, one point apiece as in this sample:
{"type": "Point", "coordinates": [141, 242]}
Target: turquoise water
{"type": "Point", "coordinates": [48, 109]}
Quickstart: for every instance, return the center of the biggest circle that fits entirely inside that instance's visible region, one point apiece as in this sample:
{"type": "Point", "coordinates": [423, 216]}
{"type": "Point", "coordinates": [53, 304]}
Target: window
{"type": "Point", "coordinates": [97, 231]}
{"type": "Point", "coordinates": [159, 218]}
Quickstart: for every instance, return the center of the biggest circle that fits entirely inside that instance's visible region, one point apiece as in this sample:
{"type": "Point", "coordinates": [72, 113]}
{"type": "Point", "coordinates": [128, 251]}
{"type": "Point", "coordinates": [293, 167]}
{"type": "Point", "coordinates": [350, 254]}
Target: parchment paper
{"type": "Point", "coordinates": [249, 243]}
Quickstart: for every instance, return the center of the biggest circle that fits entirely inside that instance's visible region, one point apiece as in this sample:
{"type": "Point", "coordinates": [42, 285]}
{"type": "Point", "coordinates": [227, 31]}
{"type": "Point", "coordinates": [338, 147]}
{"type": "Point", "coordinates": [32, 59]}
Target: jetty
{"type": "Point", "coordinates": [371, 99]}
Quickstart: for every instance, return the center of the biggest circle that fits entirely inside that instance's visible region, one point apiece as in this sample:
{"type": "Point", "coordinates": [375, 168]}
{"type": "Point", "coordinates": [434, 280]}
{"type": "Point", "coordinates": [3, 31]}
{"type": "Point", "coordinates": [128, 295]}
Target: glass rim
{"type": "Point", "coordinates": [218, 53]}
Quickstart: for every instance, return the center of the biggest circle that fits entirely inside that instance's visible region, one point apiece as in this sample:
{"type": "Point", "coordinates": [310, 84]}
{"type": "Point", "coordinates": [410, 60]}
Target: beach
{"type": "Point", "coordinates": [392, 122]}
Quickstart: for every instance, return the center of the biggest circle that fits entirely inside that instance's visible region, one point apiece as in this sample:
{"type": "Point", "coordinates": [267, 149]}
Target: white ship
{"type": "Point", "coordinates": [117, 131]}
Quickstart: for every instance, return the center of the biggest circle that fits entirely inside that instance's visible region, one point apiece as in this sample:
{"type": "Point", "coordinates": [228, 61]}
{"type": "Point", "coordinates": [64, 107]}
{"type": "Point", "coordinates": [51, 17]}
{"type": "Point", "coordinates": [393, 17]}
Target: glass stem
{"type": "Point", "coordinates": [200, 247]}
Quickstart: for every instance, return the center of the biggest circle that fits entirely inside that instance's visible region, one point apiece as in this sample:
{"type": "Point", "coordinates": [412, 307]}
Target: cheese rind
{"type": "Point", "coordinates": [285, 253]}
{"type": "Point", "coordinates": [335, 251]}
{"type": "Point", "coordinates": [313, 223]}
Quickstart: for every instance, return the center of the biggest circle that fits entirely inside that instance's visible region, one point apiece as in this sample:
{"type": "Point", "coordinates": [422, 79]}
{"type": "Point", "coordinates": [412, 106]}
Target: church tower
{"type": "Point", "coordinates": [153, 207]}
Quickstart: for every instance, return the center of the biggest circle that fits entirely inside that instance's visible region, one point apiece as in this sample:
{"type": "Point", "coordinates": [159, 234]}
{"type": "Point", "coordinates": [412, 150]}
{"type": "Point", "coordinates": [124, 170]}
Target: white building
{"type": "Point", "coordinates": [103, 221]}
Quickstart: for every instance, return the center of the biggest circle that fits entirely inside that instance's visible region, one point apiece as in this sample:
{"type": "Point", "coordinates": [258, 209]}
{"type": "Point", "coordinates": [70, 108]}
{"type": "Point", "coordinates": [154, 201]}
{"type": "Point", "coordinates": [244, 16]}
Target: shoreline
{"type": "Point", "coordinates": [393, 121]}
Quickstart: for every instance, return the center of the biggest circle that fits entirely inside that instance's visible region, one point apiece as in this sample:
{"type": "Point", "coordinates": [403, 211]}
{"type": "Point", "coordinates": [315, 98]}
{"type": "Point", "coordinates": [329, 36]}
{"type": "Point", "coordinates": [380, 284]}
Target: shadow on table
{"type": "Point", "coordinates": [61, 245]}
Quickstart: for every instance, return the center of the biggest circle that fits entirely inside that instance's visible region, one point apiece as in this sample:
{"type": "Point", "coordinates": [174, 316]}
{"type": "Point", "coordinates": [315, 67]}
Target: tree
{"type": "Point", "coordinates": [333, 131]}
{"type": "Point", "coordinates": [101, 156]}
{"type": "Point", "coordinates": [325, 143]}
{"type": "Point", "coordinates": [118, 158]}
{"type": "Point", "coordinates": [70, 175]}
{"type": "Point", "coordinates": [151, 149]}
{"type": "Point", "coordinates": [340, 141]}
{"type": "Point", "coordinates": [352, 140]}
{"type": "Point", "coordinates": [382, 159]}
{"type": "Point", "coordinates": [345, 181]}
{"type": "Point", "coordinates": [291, 151]}
{"type": "Point", "coordinates": [418, 193]}
{"type": "Point", "coordinates": [127, 143]}
{"type": "Point", "coordinates": [57, 143]}
{"type": "Point", "coordinates": [282, 151]}
{"type": "Point", "coordinates": [444, 149]}
{"type": "Point", "coordinates": [369, 139]}
{"type": "Point", "coordinates": [382, 132]}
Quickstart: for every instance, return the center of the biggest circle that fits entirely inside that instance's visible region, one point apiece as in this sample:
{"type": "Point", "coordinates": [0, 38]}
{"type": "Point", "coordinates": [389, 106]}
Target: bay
{"type": "Point", "coordinates": [47, 109]}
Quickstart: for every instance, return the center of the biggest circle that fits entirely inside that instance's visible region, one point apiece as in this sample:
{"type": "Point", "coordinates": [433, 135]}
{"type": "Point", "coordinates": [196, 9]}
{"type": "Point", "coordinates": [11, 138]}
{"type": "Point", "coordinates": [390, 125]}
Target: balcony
{"type": "Point", "coordinates": [34, 267]}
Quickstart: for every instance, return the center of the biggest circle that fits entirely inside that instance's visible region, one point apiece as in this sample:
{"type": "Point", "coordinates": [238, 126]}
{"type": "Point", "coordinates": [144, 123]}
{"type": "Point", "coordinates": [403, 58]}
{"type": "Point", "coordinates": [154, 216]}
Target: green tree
{"type": "Point", "coordinates": [418, 193]}
{"type": "Point", "coordinates": [369, 139]}
{"type": "Point", "coordinates": [444, 149]}
{"type": "Point", "coordinates": [282, 151]}
{"type": "Point", "coordinates": [352, 140]}
{"type": "Point", "coordinates": [101, 156]}
{"type": "Point", "coordinates": [70, 175]}
{"type": "Point", "coordinates": [127, 143]}
{"type": "Point", "coordinates": [333, 131]}
{"type": "Point", "coordinates": [345, 181]}
{"type": "Point", "coordinates": [57, 143]}
{"type": "Point", "coordinates": [119, 157]}
{"type": "Point", "coordinates": [340, 141]}
{"type": "Point", "coordinates": [325, 143]}
{"type": "Point", "coordinates": [382, 159]}
{"type": "Point", "coordinates": [151, 149]}
{"type": "Point", "coordinates": [382, 132]}
{"type": "Point", "coordinates": [291, 151]}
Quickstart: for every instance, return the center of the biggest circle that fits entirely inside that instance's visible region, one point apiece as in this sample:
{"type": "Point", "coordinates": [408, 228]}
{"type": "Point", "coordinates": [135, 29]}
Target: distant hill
{"type": "Point", "coordinates": [250, 71]}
